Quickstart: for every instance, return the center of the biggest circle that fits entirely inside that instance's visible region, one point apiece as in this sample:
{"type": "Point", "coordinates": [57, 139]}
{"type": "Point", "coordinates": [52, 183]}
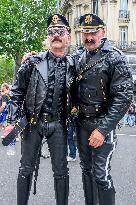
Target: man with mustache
{"type": "Point", "coordinates": [104, 93]}
{"type": "Point", "coordinates": [41, 86]}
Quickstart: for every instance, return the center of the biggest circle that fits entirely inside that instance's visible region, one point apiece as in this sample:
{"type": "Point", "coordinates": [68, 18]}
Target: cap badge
{"type": "Point", "coordinates": [55, 19]}
{"type": "Point", "coordinates": [88, 19]}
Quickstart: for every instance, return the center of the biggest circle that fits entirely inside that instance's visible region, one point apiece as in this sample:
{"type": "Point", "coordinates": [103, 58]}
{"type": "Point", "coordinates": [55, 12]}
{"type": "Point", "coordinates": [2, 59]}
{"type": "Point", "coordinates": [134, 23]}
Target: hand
{"type": "Point", "coordinates": [96, 139]}
{"type": "Point", "coordinates": [28, 55]}
{"type": "Point", "coordinates": [7, 130]}
{"type": "Point", "coordinates": [74, 110]}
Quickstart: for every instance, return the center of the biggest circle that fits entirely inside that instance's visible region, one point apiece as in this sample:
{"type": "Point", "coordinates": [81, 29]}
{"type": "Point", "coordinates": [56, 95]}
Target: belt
{"type": "Point", "coordinates": [47, 117]}
{"type": "Point", "coordinates": [92, 110]}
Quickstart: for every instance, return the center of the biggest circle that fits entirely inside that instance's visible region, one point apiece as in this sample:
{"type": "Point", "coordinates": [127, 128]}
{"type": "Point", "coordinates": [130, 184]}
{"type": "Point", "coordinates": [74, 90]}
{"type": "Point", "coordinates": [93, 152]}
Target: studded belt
{"type": "Point", "coordinates": [47, 117]}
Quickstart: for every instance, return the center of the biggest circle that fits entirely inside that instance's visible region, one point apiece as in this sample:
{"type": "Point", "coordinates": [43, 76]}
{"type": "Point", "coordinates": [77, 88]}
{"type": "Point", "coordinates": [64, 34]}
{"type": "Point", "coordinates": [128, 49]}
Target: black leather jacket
{"type": "Point", "coordinates": [104, 85]}
{"type": "Point", "coordinates": [30, 87]}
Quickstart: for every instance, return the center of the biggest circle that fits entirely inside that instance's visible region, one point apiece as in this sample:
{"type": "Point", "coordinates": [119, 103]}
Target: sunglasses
{"type": "Point", "coordinates": [60, 32]}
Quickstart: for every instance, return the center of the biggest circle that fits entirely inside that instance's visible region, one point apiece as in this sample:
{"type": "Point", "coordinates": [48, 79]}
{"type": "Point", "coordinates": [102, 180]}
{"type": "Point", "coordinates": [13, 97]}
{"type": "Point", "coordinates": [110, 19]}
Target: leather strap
{"type": "Point", "coordinates": [89, 66]}
{"type": "Point", "coordinates": [19, 127]}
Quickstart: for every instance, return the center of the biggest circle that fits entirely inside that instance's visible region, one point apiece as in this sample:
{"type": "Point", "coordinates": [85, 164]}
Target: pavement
{"type": "Point", "coordinates": [123, 172]}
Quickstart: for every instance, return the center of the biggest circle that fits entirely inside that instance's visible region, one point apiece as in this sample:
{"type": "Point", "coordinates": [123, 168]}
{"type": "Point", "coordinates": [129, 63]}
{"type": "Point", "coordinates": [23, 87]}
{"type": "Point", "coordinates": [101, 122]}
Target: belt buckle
{"type": "Point", "coordinates": [33, 120]}
{"type": "Point", "coordinates": [46, 117]}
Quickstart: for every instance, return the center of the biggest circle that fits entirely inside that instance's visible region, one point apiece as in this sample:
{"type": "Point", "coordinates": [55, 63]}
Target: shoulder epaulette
{"type": "Point", "coordinates": [119, 51]}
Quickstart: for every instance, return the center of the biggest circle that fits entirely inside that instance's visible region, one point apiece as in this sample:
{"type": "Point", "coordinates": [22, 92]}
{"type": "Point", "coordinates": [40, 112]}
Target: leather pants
{"type": "Point", "coordinates": [57, 142]}
{"type": "Point", "coordinates": [107, 197]}
{"type": "Point", "coordinates": [90, 189]}
{"type": "Point", "coordinates": [61, 186]}
{"type": "Point", "coordinates": [95, 164]}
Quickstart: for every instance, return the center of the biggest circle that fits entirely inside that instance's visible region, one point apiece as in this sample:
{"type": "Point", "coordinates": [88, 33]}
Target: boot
{"type": "Point", "coordinates": [90, 189]}
{"type": "Point", "coordinates": [106, 197]}
{"type": "Point", "coordinates": [23, 189]}
{"type": "Point", "coordinates": [61, 186]}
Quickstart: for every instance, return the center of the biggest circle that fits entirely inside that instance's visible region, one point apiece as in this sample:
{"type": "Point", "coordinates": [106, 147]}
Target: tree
{"type": "Point", "coordinates": [6, 69]}
{"type": "Point", "coordinates": [23, 26]}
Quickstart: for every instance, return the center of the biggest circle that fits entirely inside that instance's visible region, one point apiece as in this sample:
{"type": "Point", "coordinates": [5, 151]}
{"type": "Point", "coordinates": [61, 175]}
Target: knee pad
{"type": "Point", "coordinates": [104, 184]}
{"type": "Point", "coordinates": [26, 171]}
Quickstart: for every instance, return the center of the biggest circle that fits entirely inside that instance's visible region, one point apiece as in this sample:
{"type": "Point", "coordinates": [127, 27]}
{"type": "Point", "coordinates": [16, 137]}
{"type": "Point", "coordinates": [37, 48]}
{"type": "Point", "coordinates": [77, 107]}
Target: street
{"type": "Point", "coordinates": [123, 172]}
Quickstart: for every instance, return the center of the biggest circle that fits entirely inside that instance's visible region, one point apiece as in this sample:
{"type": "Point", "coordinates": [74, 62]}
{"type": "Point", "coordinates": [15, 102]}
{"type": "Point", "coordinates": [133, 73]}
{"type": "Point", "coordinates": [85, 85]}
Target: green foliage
{"type": "Point", "coordinates": [23, 25]}
{"type": "Point", "coordinates": [6, 69]}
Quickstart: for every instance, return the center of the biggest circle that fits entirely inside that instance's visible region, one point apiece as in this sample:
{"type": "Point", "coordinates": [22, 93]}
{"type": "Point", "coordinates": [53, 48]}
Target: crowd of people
{"type": "Point", "coordinates": [98, 80]}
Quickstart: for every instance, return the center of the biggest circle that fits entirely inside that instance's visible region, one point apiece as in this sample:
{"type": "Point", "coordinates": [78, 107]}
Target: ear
{"type": "Point", "coordinates": [48, 42]}
{"type": "Point", "coordinates": [104, 32]}
{"type": "Point", "coordinates": [69, 39]}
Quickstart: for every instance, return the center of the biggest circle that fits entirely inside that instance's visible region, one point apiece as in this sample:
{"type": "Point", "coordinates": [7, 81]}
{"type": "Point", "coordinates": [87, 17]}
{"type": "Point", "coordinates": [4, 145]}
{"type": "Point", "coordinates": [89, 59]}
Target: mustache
{"type": "Point", "coordinates": [90, 41]}
{"type": "Point", "coordinates": [56, 39]}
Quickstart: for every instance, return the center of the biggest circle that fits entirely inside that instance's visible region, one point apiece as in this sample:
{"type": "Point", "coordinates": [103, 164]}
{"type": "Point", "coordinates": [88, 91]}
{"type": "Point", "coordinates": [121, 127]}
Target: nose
{"type": "Point", "coordinates": [56, 34]}
{"type": "Point", "coordinates": [89, 36]}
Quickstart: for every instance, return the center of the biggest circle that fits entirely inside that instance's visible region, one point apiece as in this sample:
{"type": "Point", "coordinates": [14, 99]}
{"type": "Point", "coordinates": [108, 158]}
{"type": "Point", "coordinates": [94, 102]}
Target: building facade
{"type": "Point", "coordinates": [119, 17]}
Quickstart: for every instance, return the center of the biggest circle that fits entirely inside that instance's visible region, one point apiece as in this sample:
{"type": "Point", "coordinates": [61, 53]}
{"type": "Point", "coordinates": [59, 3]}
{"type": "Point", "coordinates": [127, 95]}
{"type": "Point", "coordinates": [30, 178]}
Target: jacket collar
{"type": "Point", "coordinates": [107, 45]}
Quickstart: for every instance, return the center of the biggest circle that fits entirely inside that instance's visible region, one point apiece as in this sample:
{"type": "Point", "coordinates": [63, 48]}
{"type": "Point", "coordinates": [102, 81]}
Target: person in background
{"type": "Point", "coordinates": [71, 134]}
{"type": "Point", "coordinates": [5, 89]}
{"type": "Point", "coordinates": [41, 86]}
{"type": "Point", "coordinates": [131, 115]}
{"type": "Point", "coordinates": [0, 99]}
{"type": "Point", "coordinates": [104, 93]}
{"type": "Point", "coordinates": [125, 119]}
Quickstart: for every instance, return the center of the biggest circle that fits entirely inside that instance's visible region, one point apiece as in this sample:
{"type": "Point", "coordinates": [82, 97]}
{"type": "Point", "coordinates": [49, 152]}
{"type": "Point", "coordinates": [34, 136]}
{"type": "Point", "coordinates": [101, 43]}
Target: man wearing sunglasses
{"type": "Point", "coordinates": [104, 92]}
{"type": "Point", "coordinates": [41, 86]}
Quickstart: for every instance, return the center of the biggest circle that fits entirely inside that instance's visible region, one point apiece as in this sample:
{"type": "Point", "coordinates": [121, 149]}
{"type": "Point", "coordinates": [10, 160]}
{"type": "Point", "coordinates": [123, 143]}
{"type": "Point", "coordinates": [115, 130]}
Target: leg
{"type": "Point", "coordinates": [133, 120]}
{"type": "Point", "coordinates": [101, 170]}
{"type": "Point", "coordinates": [57, 144]}
{"type": "Point", "coordinates": [85, 154]}
{"type": "Point", "coordinates": [107, 197]}
{"type": "Point", "coordinates": [29, 149]}
{"type": "Point", "coordinates": [125, 120]}
{"type": "Point", "coordinates": [71, 143]}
